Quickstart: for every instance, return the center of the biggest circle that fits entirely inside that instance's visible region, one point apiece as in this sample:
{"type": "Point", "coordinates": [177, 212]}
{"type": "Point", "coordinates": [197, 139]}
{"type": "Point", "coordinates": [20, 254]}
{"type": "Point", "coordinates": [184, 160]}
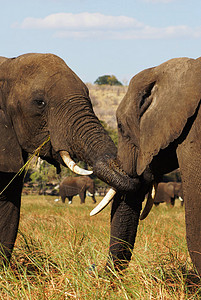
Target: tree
{"type": "Point", "coordinates": [107, 79]}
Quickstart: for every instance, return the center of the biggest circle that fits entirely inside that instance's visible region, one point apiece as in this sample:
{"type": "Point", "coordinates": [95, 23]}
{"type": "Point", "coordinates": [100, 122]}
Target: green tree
{"type": "Point", "coordinates": [107, 79]}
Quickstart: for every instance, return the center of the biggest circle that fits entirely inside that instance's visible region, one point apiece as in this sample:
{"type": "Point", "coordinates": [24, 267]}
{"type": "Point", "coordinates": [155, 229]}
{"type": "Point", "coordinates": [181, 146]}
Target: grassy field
{"type": "Point", "coordinates": [58, 244]}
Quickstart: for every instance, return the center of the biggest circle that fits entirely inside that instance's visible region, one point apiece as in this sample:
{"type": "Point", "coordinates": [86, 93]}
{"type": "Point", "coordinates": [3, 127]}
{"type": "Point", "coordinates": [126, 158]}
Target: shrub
{"type": "Point", "coordinates": [107, 79]}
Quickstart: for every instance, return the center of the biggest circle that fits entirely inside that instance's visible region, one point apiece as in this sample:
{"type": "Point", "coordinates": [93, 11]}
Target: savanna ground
{"type": "Point", "coordinates": [59, 244]}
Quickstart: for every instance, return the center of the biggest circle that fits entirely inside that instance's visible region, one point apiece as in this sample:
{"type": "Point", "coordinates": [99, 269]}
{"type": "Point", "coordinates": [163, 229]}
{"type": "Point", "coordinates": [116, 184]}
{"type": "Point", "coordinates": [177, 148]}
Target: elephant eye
{"type": "Point", "coordinates": [40, 103]}
{"type": "Point", "coordinates": [120, 127]}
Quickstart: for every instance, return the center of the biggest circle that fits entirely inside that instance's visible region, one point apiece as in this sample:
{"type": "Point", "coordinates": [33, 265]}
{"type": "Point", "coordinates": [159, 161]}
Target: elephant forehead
{"type": "Point", "coordinates": [38, 60]}
{"type": "Point", "coordinates": [67, 82]}
{"type": "Point", "coordinates": [44, 72]}
{"type": "Point", "coordinates": [124, 108]}
{"type": "Point", "coordinates": [34, 64]}
{"type": "Point", "coordinates": [173, 64]}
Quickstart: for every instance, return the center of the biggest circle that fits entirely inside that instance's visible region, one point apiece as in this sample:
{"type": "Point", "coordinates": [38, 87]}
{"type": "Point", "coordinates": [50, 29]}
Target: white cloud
{"type": "Point", "coordinates": [99, 26]}
{"type": "Point", "coordinates": [82, 21]}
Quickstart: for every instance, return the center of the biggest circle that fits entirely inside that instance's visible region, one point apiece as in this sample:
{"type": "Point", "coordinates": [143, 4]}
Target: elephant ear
{"type": "Point", "coordinates": [171, 98]}
{"type": "Point", "coordinates": [11, 159]}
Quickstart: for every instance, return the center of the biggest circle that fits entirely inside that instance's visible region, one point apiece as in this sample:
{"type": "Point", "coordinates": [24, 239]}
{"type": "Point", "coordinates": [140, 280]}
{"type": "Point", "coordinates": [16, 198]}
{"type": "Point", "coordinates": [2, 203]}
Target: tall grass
{"type": "Point", "coordinates": [60, 253]}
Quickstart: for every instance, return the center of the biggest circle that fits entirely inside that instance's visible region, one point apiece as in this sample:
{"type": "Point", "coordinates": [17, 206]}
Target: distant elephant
{"type": "Point", "coordinates": [168, 192]}
{"type": "Point", "coordinates": [45, 109]}
{"type": "Point", "coordinates": [159, 130]}
{"type": "Point", "coordinates": [72, 186]}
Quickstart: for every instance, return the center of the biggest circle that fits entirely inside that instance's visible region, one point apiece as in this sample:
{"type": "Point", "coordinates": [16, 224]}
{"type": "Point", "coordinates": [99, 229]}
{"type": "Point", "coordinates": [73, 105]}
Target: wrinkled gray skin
{"type": "Point", "coordinates": [72, 186]}
{"type": "Point", "coordinates": [41, 97]}
{"type": "Point", "coordinates": [168, 192]}
{"type": "Point", "coordinates": [159, 128]}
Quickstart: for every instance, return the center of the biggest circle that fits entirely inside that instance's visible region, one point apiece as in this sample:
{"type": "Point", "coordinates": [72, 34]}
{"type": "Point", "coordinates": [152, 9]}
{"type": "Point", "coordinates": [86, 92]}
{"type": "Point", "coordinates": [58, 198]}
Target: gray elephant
{"type": "Point", "coordinates": [159, 129]}
{"type": "Point", "coordinates": [72, 186]}
{"type": "Point", "coordinates": [168, 192]}
{"type": "Point", "coordinates": [45, 108]}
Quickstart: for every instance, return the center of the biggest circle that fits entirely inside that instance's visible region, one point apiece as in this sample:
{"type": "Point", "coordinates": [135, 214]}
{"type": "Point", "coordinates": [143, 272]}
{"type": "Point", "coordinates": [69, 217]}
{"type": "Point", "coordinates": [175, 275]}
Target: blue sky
{"type": "Point", "coordinates": [120, 37]}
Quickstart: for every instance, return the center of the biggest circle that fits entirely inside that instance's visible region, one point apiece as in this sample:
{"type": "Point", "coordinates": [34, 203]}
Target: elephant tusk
{"type": "Point", "coordinates": [104, 202]}
{"type": "Point", "coordinates": [149, 203]}
{"type": "Point", "coordinates": [72, 165]}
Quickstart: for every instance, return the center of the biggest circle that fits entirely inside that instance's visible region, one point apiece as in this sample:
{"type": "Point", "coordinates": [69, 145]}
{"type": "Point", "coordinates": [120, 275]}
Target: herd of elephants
{"type": "Point", "coordinates": [69, 187]}
{"type": "Point", "coordinates": [46, 108]}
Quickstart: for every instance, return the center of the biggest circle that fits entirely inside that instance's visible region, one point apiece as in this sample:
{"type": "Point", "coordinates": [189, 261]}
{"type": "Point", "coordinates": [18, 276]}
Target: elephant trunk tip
{"type": "Point", "coordinates": [110, 172]}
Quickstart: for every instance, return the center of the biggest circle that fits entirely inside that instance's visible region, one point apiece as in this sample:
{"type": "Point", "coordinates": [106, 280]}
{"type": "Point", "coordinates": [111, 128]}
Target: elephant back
{"type": "Point", "coordinates": [71, 186]}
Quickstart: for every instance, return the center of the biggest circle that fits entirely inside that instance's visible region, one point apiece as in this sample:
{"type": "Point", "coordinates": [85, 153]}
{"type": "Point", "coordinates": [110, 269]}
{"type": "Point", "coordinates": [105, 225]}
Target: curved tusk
{"type": "Point", "coordinates": [149, 203]}
{"type": "Point", "coordinates": [104, 202]}
{"type": "Point", "coordinates": [72, 165]}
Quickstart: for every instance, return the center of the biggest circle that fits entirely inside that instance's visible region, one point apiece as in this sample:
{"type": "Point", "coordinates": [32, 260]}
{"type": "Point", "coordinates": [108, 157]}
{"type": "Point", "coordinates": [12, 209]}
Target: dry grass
{"type": "Point", "coordinates": [105, 100]}
{"type": "Point", "coordinates": [58, 244]}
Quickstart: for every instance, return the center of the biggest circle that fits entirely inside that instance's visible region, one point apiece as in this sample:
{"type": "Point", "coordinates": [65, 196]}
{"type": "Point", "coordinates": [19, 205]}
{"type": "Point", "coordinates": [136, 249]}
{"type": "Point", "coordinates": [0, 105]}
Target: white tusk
{"type": "Point", "coordinates": [106, 200]}
{"type": "Point", "coordinates": [149, 203]}
{"type": "Point", "coordinates": [72, 165]}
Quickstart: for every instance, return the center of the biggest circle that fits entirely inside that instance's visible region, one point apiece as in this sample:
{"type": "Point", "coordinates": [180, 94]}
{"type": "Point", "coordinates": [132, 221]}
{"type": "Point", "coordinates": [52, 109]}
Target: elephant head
{"type": "Point", "coordinates": [43, 102]}
{"type": "Point", "coordinates": [41, 98]}
{"type": "Point", "coordinates": [159, 130]}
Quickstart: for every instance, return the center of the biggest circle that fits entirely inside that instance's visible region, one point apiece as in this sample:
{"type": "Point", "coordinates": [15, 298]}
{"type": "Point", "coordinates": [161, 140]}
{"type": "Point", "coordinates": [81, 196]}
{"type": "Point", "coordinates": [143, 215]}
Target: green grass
{"type": "Point", "coordinates": [57, 245]}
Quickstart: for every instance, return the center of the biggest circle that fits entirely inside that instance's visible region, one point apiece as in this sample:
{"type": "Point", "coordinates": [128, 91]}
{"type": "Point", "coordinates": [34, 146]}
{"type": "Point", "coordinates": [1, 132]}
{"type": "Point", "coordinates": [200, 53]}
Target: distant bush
{"type": "Point", "coordinates": [107, 79]}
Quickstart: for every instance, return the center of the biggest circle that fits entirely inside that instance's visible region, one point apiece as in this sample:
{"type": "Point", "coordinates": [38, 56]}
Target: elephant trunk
{"type": "Point", "coordinates": [124, 222]}
{"type": "Point", "coordinates": [125, 216]}
{"type": "Point", "coordinates": [107, 169]}
{"type": "Point", "coordinates": [83, 136]}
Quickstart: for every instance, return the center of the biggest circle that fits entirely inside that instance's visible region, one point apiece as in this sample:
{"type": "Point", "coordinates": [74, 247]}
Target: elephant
{"type": "Point", "coordinates": [168, 192]}
{"type": "Point", "coordinates": [159, 130]}
{"type": "Point", "coordinates": [45, 109]}
{"type": "Point", "coordinates": [71, 186]}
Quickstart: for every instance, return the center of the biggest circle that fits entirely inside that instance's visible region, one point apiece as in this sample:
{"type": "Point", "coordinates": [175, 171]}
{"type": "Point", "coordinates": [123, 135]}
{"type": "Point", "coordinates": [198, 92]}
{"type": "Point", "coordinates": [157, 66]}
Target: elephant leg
{"type": "Point", "coordinates": [190, 166]}
{"type": "Point", "coordinates": [82, 197]}
{"type": "Point", "coordinates": [94, 200]}
{"type": "Point", "coordinates": [124, 222]}
{"type": "Point", "coordinates": [167, 200]}
{"type": "Point", "coordinates": [172, 201]}
{"type": "Point", "coordinates": [63, 198]}
{"type": "Point", "coordinates": [70, 199]}
{"type": "Point", "coordinates": [182, 203]}
{"type": "Point", "coordinates": [10, 201]}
